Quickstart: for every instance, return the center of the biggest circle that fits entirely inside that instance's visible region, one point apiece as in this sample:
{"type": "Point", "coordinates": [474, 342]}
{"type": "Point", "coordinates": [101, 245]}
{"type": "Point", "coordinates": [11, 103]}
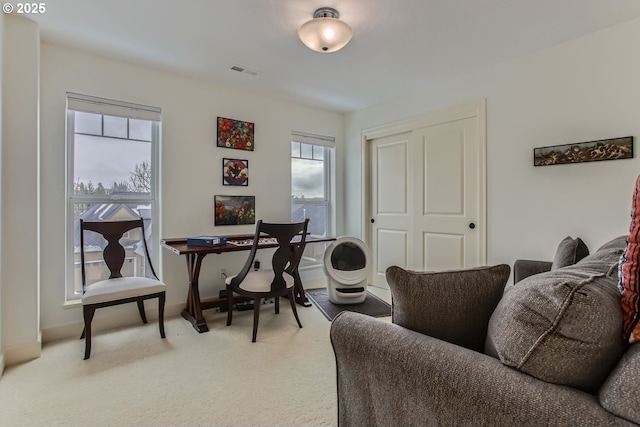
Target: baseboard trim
{"type": "Point", "coordinates": [22, 353]}
{"type": "Point", "coordinates": [73, 330]}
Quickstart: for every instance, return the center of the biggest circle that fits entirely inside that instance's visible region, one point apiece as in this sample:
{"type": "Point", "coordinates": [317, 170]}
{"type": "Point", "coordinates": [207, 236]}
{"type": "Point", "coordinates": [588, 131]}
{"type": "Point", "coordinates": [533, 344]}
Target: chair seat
{"type": "Point", "coordinates": [121, 288]}
{"type": "Point", "coordinates": [260, 281]}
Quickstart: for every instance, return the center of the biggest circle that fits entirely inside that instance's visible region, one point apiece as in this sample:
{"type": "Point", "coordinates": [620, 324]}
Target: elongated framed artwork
{"type": "Point", "coordinates": [590, 151]}
{"type": "Point", "coordinates": [235, 172]}
{"type": "Point", "coordinates": [235, 134]}
{"type": "Point", "coordinates": [234, 210]}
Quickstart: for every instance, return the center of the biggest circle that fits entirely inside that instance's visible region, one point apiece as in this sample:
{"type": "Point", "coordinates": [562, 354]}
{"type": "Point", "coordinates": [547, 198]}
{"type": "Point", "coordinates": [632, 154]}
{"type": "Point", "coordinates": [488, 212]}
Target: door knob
{"type": "Point", "coordinates": [472, 225]}
{"type": "Point", "coordinates": [372, 220]}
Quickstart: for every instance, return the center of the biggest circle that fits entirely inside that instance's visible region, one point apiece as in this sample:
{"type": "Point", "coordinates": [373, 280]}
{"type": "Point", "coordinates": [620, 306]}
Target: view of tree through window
{"type": "Point", "coordinates": [111, 154]}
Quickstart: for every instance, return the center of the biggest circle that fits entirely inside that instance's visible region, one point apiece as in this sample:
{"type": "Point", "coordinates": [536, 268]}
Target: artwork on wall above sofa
{"type": "Point", "coordinates": [235, 172]}
{"type": "Point", "coordinates": [235, 134]}
{"type": "Point", "coordinates": [234, 210]}
{"type": "Point", "coordinates": [604, 149]}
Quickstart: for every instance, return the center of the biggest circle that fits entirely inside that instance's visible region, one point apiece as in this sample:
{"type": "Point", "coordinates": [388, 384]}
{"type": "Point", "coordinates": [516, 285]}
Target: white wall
{"type": "Point", "coordinates": [20, 207]}
{"type": "Point", "coordinates": [582, 90]}
{"type": "Point", "coordinates": [191, 166]}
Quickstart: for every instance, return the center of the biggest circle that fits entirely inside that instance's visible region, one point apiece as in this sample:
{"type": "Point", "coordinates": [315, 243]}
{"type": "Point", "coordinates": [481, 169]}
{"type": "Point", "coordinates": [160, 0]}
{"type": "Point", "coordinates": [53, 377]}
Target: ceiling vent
{"type": "Point", "coordinates": [244, 70]}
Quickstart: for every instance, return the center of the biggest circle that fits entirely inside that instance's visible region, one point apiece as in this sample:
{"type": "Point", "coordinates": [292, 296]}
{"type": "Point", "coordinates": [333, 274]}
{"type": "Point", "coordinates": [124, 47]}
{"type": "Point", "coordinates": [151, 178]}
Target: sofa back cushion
{"type": "Point", "coordinates": [453, 306]}
{"type": "Point", "coordinates": [562, 326]}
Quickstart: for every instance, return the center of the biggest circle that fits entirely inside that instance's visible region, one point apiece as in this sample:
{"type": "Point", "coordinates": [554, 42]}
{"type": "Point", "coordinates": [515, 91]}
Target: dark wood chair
{"type": "Point", "coordinates": [118, 289]}
{"type": "Point", "coordinates": [274, 283]}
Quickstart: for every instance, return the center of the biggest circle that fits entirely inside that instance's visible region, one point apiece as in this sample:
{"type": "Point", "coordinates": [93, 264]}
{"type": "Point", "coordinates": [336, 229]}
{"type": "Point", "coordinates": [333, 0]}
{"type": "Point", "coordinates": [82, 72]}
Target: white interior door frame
{"type": "Point", "coordinates": [463, 111]}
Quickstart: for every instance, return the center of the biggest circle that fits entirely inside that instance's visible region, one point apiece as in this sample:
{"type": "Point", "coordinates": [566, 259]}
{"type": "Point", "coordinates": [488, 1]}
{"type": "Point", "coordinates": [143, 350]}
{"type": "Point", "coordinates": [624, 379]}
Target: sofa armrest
{"type": "Point", "coordinates": [388, 375]}
{"type": "Point", "coordinates": [524, 268]}
{"type": "Point", "coordinates": [453, 305]}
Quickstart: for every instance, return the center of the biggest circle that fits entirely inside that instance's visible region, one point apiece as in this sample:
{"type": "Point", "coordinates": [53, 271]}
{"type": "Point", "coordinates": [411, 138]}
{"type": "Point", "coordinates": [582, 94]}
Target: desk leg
{"type": "Point", "coordinates": [298, 291]}
{"type": "Point", "coordinates": [193, 310]}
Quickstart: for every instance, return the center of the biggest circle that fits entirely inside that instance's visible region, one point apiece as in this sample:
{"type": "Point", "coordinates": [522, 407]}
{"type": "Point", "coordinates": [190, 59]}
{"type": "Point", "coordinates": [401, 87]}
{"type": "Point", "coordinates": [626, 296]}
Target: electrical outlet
{"type": "Point", "coordinates": [223, 274]}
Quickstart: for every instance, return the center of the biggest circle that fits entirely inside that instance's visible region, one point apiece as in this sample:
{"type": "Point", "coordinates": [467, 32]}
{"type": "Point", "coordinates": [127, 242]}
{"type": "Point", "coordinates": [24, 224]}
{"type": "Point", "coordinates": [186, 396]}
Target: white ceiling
{"type": "Point", "coordinates": [397, 46]}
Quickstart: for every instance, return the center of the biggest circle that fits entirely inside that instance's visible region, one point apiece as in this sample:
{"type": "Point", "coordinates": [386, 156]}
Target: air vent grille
{"type": "Point", "coordinates": [244, 70]}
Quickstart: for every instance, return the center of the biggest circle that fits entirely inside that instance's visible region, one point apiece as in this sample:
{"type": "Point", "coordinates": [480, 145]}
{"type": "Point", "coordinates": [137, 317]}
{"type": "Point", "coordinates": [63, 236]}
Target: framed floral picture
{"type": "Point", "coordinates": [235, 172]}
{"type": "Point", "coordinates": [235, 134]}
{"type": "Point", "coordinates": [234, 210]}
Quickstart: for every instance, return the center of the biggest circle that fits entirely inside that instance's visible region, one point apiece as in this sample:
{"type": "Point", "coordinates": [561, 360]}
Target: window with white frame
{"type": "Point", "coordinates": [311, 188]}
{"type": "Point", "coordinates": [112, 174]}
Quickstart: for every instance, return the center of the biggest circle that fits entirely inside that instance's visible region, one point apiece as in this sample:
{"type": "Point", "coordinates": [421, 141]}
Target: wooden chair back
{"type": "Point", "coordinates": [291, 240]}
{"type": "Point", "coordinates": [114, 252]}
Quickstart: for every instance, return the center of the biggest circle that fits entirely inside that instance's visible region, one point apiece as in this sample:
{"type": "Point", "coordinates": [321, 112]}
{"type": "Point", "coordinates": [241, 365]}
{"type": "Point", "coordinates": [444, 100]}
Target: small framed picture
{"type": "Point", "coordinates": [235, 172]}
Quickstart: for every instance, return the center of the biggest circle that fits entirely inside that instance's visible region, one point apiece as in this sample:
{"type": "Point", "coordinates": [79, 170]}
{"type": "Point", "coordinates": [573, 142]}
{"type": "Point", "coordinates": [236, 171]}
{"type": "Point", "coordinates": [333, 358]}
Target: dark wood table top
{"type": "Point", "coordinates": [179, 245]}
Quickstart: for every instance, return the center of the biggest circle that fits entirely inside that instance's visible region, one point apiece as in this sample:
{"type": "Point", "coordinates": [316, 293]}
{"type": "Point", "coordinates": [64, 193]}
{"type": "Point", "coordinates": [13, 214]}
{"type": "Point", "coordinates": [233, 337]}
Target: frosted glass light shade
{"type": "Point", "coordinates": [325, 35]}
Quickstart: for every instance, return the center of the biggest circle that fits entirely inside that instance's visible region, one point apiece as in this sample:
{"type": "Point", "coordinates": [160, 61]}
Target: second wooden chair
{"type": "Point", "coordinates": [267, 283]}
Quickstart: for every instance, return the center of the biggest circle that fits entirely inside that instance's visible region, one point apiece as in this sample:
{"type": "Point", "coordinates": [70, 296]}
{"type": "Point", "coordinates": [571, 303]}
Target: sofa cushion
{"type": "Point", "coordinates": [562, 326]}
{"type": "Point", "coordinates": [619, 242]}
{"type": "Point", "coordinates": [629, 282]}
{"type": "Point", "coordinates": [605, 260]}
{"type": "Point", "coordinates": [569, 252]}
{"type": "Point", "coordinates": [453, 306]}
{"type": "Point", "coordinates": [622, 388]}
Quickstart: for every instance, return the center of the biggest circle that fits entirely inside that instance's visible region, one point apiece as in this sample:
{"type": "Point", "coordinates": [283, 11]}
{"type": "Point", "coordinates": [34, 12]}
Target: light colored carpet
{"type": "Point", "coordinates": [218, 378]}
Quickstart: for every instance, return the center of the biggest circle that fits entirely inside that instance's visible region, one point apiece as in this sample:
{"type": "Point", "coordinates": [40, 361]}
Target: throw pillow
{"type": "Point", "coordinates": [562, 326]}
{"type": "Point", "coordinates": [569, 252]}
{"type": "Point", "coordinates": [629, 272]}
{"type": "Point", "coordinates": [453, 306]}
{"type": "Point", "coordinates": [619, 242]}
{"type": "Point", "coordinates": [621, 389]}
{"type": "Point", "coordinates": [606, 259]}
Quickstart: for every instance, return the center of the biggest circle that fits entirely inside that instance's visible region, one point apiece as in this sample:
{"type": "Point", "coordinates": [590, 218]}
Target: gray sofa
{"type": "Point", "coordinates": [459, 351]}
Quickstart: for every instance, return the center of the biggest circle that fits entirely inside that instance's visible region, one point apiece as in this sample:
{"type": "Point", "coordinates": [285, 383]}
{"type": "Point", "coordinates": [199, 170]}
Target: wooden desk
{"type": "Point", "coordinates": [194, 256]}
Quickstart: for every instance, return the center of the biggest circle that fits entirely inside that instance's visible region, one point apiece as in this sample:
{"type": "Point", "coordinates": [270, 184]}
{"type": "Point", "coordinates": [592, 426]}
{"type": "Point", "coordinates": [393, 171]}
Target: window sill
{"type": "Point", "coordinates": [72, 303]}
{"type": "Point", "coordinates": [309, 267]}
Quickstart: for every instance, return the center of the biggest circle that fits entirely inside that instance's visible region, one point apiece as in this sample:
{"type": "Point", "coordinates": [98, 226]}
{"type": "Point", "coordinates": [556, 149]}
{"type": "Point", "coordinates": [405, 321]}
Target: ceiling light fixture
{"type": "Point", "coordinates": [325, 33]}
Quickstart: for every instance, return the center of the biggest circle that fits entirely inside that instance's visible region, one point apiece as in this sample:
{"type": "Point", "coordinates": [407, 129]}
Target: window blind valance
{"type": "Point", "coordinates": [308, 138]}
{"type": "Point", "coordinates": [92, 104]}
